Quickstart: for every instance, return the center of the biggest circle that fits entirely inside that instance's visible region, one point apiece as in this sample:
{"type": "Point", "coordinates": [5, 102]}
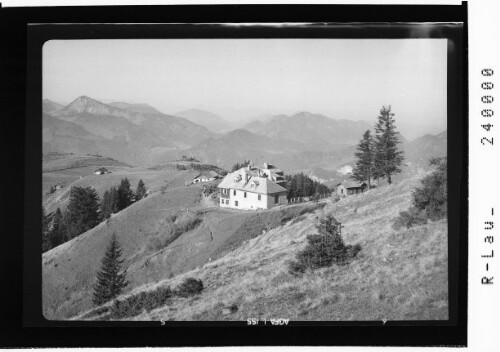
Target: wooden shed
{"type": "Point", "coordinates": [345, 189]}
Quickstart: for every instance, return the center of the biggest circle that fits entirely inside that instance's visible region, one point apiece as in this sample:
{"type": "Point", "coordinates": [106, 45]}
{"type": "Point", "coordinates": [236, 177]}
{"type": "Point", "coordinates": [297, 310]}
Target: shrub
{"type": "Point", "coordinates": [174, 226]}
{"type": "Point", "coordinates": [324, 249]}
{"type": "Point", "coordinates": [430, 200]}
{"type": "Point", "coordinates": [136, 304]}
{"type": "Point", "coordinates": [189, 287]}
{"type": "Point", "coordinates": [409, 218]}
{"type": "Point", "coordinates": [298, 219]}
{"type": "Point", "coordinates": [432, 196]}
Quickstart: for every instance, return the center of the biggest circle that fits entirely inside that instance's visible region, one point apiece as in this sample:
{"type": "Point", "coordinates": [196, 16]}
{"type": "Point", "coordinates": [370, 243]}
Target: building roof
{"type": "Point", "coordinates": [353, 184]}
{"type": "Point", "coordinates": [238, 180]}
{"type": "Point", "coordinates": [207, 174]}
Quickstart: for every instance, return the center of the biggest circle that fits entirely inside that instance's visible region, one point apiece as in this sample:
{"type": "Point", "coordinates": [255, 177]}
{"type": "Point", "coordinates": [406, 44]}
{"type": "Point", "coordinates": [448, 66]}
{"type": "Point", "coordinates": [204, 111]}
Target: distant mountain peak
{"type": "Point", "coordinates": [85, 104]}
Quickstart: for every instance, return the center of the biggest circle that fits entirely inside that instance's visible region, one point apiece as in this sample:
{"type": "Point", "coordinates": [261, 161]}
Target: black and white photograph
{"type": "Point", "coordinates": [259, 180]}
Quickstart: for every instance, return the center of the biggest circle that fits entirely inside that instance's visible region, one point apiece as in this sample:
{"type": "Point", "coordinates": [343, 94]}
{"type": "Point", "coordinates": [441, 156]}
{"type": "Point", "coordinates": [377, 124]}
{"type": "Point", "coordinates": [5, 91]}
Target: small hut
{"type": "Point", "coordinates": [347, 188]}
{"type": "Point", "coordinates": [101, 171]}
{"type": "Point", "coordinates": [206, 176]}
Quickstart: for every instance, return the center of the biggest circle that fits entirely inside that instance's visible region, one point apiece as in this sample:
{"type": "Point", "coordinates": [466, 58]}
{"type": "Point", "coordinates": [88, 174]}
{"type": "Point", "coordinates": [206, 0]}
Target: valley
{"type": "Point", "coordinates": [400, 275]}
{"type": "Point", "coordinates": [178, 230]}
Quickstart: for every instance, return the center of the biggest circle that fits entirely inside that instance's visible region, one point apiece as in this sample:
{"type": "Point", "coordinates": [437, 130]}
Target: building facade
{"type": "Point", "coordinates": [206, 176]}
{"type": "Point", "coordinates": [250, 188]}
{"type": "Point", "coordinates": [349, 188]}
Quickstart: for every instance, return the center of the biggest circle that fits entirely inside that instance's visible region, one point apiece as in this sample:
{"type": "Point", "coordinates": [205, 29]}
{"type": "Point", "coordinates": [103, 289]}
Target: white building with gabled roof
{"type": "Point", "coordinates": [252, 188]}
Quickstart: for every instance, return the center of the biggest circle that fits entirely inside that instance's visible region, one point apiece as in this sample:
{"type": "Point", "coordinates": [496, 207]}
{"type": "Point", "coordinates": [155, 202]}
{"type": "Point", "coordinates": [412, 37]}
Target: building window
{"type": "Point", "coordinates": [235, 203]}
{"type": "Point", "coordinates": [244, 194]}
{"type": "Point", "coordinates": [276, 199]}
{"type": "Point", "coordinates": [258, 196]}
{"type": "Point", "coordinates": [227, 201]}
{"type": "Point", "coordinates": [222, 201]}
{"type": "Point", "coordinates": [234, 192]}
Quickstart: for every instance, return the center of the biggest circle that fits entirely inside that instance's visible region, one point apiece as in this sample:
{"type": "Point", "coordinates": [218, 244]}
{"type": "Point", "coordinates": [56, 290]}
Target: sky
{"type": "Point", "coordinates": [242, 78]}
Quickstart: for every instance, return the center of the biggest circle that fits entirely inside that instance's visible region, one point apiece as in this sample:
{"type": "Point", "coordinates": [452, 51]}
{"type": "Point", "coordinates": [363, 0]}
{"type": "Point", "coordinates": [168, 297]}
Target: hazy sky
{"type": "Point", "coordinates": [241, 78]}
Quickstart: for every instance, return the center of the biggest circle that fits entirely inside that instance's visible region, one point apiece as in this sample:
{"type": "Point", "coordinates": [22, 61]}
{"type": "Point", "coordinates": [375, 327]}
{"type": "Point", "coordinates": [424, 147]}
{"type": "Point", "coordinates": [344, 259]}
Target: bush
{"type": "Point", "coordinates": [432, 196]}
{"type": "Point", "coordinates": [136, 304]}
{"type": "Point", "coordinates": [324, 249]}
{"type": "Point", "coordinates": [298, 219]}
{"type": "Point", "coordinates": [174, 226]}
{"type": "Point", "coordinates": [409, 218]}
{"type": "Point", "coordinates": [189, 287]}
{"type": "Point", "coordinates": [430, 200]}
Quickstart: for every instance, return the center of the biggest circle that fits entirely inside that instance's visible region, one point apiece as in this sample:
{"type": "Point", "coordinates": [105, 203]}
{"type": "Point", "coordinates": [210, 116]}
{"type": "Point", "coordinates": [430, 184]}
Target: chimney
{"type": "Point", "coordinates": [266, 166]}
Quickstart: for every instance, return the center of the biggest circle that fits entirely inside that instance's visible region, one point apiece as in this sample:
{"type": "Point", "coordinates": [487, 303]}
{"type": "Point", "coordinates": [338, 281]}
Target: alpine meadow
{"type": "Point", "coordinates": [231, 180]}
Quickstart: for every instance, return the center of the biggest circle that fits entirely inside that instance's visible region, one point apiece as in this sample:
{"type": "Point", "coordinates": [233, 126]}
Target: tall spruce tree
{"type": "Point", "coordinates": [111, 280]}
{"type": "Point", "coordinates": [125, 194]}
{"type": "Point", "coordinates": [140, 192]}
{"type": "Point", "coordinates": [387, 156]}
{"type": "Point", "coordinates": [82, 212]}
{"type": "Point", "coordinates": [363, 171]}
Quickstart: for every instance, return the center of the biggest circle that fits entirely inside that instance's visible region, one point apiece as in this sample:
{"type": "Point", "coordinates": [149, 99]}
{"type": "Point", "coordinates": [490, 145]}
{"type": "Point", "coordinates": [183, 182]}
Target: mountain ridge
{"type": "Point", "coordinates": [212, 121]}
{"type": "Point", "coordinates": [134, 137]}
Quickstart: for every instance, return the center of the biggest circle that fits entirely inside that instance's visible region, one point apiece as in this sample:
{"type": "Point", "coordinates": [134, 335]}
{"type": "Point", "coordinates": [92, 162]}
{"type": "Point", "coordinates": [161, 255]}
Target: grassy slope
{"type": "Point", "coordinates": [155, 178]}
{"type": "Point", "coordinates": [69, 270]}
{"type": "Point", "coordinates": [64, 169]}
{"type": "Point", "coordinates": [400, 275]}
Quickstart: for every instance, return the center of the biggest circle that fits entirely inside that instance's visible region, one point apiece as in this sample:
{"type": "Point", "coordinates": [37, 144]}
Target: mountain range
{"type": "Point", "coordinates": [140, 134]}
{"type": "Point", "coordinates": [49, 106]}
{"type": "Point", "coordinates": [134, 133]}
{"type": "Point", "coordinates": [317, 131]}
{"type": "Point", "coordinates": [207, 119]}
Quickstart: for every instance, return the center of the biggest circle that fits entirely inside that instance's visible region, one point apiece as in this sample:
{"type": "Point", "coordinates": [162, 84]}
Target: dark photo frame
{"type": "Point", "coordinates": [36, 26]}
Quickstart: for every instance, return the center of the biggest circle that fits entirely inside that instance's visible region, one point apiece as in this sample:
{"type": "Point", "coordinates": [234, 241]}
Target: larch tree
{"type": "Point", "coordinates": [363, 171]}
{"type": "Point", "coordinates": [388, 157]}
{"type": "Point", "coordinates": [111, 280]}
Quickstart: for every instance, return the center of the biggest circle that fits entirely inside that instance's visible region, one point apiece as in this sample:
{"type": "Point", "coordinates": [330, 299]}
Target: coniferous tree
{"type": "Point", "coordinates": [113, 200]}
{"type": "Point", "coordinates": [238, 166]}
{"type": "Point", "coordinates": [111, 280]}
{"type": "Point", "coordinates": [387, 156]}
{"type": "Point", "coordinates": [301, 185]}
{"type": "Point", "coordinates": [363, 170]}
{"type": "Point", "coordinates": [106, 210]}
{"type": "Point", "coordinates": [46, 245]}
{"type": "Point", "coordinates": [125, 194]}
{"type": "Point", "coordinates": [58, 232]}
{"type": "Point", "coordinates": [83, 211]}
{"type": "Point", "coordinates": [432, 195]}
{"type": "Point", "coordinates": [140, 191]}
{"type": "Point", "coordinates": [325, 248]}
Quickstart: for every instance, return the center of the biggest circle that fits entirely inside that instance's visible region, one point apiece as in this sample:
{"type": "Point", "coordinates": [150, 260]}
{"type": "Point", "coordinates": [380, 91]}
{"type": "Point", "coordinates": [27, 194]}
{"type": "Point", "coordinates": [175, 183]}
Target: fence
{"type": "Point", "coordinates": [295, 200]}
